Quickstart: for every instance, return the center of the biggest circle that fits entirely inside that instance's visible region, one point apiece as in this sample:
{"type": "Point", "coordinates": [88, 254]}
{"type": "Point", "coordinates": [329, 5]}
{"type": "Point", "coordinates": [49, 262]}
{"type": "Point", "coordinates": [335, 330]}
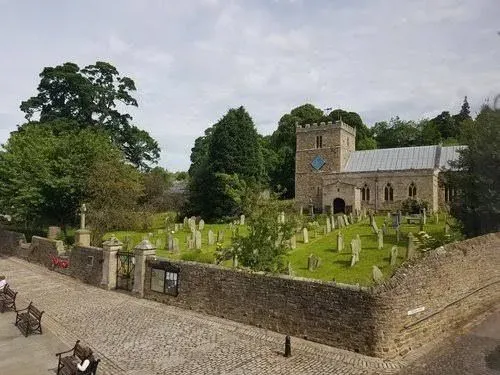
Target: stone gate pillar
{"type": "Point", "coordinates": [141, 252]}
{"type": "Point", "coordinates": [110, 248]}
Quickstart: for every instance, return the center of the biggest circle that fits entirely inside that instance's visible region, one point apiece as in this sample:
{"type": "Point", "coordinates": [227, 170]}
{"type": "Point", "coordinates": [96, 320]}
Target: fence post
{"type": "Point", "coordinates": [110, 248]}
{"type": "Point", "coordinates": [141, 252]}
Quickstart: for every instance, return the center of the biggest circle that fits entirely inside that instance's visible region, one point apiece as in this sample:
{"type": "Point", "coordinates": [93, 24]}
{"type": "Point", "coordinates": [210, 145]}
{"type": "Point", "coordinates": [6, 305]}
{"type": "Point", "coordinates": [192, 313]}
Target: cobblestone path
{"type": "Point", "coordinates": [134, 336]}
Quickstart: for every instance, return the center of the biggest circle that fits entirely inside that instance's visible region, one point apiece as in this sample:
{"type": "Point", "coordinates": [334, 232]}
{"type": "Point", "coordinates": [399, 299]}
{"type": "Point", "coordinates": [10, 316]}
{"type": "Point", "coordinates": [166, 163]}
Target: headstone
{"type": "Point", "coordinates": [351, 218]}
{"type": "Point", "coordinates": [289, 269]}
{"type": "Point", "coordinates": [242, 219]}
{"type": "Point", "coordinates": [190, 244]}
{"type": "Point", "coordinates": [176, 227]}
{"type": "Point", "coordinates": [446, 229]}
{"type": "Point", "coordinates": [346, 221]}
{"type": "Point", "coordinates": [380, 240]}
{"type": "Point", "coordinates": [410, 252]}
{"type": "Point", "coordinates": [332, 220]}
{"type": "Point", "coordinates": [282, 217]}
{"type": "Point", "coordinates": [197, 240]}
{"type": "Point", "coordinates": [158, 244]}
{"type": "Point", "coordinates": [293, 242]}
{"type": "Point", "coordinates": [185, 222]}
{"type": "Point", "coordinates": [389, 215]}
{"type": "Point", "coordinates": [301, 210]}
{"type": "Point", "coordinates": [340, 218]}
{"type": "Point", "coordinates": [424, 215]}
{"type": "Point", "coordinates": [211, 238]}
{"type": "Point", "coordinates": [354, 252]}
{"type": "Point", "coordinates": [201, 224]}
{"type": "Point", "coordinates": [313, 262]}
{"type": "Point", "coordinates": [340, 242]}
{"type": "Point", "coordinates": [328, 225]}
{"type": "Point", "coordinates": [359, 242]}
{"type": "Point", "coordinates": [53, 232]}
{"type": "Point", "coordinates": [378, 276]}
{"type": "Point", "coordinates": [192, 224]}
{"type": "Point", "coordinates": [176, 245]}
{"type": "Point", "coordinates": [220, 236]}
{"type": "Point", "coordinates": [374, 227]}
{"type": "Point", "coordinates": [235, 261]}
{"type": "Point", "coordinates": [170, 242]}
{"type": "Point", "coordinates": [395, 220]}
{"type": "Point", "coordinates": [384, 229]}
{"type": "Point", "coordinates": [394, 255]}
{"type": "Point", "coordinates": [305, 235]}
{"type": "Point", "coordinates": [421, 227]}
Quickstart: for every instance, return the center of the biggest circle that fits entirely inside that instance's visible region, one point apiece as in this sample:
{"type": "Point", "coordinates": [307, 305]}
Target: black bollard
{"type": "Point", "coordinates": [288, 346]}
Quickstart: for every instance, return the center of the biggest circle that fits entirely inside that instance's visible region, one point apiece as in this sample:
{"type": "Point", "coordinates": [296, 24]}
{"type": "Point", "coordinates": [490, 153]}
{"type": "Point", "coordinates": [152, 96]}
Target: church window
{"type": "Point", "coordinates": [412, 190]}
{"type": "Point", "coordinates": [319, 141]}
{"type": "Point", "coordinates": [318, 191]}
{"type": "Point", "coordinates": [365, 193]}
{"type": "Point", "coordinates": [449, 193]}
{"type": "Point", "coordinates": [388, 193]}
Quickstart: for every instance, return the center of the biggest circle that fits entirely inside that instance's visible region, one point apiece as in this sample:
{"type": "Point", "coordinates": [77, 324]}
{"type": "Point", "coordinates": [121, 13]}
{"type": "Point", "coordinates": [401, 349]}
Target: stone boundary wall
{"type": "Point", "coordinates": [340, 316]}
{"type": "Point", "coordinates": [452, 285]}
{"type": "Point", "coordinates": [41, 249]}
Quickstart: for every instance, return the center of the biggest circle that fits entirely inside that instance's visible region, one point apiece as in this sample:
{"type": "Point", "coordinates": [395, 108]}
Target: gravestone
{"type": "Point", "coordinates": [305, 235]}
{"type": "Point", "coordinates": [389, 215]}
{"type": "Point", "coordinates": [201, 224]}
{"type": "Point", "coordinates": [359, 242]}
{"type": "Point", "coordinates": [211, 238]}
{"type": "Point", "coordinates": [377, 275]}
{"type": "Point", "coordinates": [421, 227]}
{"type": "Point", "coordinates": [384, 229]}
{"type": "Point", "coordinates": [185, 222]}
{"type": "Point", "coordinates": [170, 242]}
{"type": "Point", "coordinates": [374, 227]}
{"type": "Point", "coordinates": [293, 242]}
{"type": "Point", "coordinates": [446, 229]}
{"type": "Point", "coordinates": [332, 221]}
{"type": "Point", "coordinates": [340, 242]}
{"type": "Point", "coordinates": [158, 244]}
{"type": "Point", "coordinates": [424, 215]}
{"type": "Point", "coordinates": [235, 261]}
{"type": "Point", "coordinates": [324, 231]}
{"type": "Point", "coordinates": [220, 236]}
{"type": "Point", "coordinates": [328, 225]}
{"type": "Point", "coordinates": [346, 220]}
{"type": "Point", "coordinates": [192, 224]}
{"type": "Point", "coordinates": [313, 262]}
{"type": "Point", "coordinates": [351, 218]}
{"type": "Point", "coordinates": [340, 218]}
{"type": "Point", "coordinates": [354, 252]}
{"type": "Point", "coordinates": [410, 253]}
{"type": "Point", "coordinates": [242, 219]}
{"type": "Point", "coordinates": [176, 245]}
{"type": "Point", "coordinates": [301, 210]}
{"type": "Point", "coordinates": [176, 227]}
{"type": "Point", "coordinates": [197, 240]}
{"type": "Point", "coordinates": [282, 218]}
{"type": "Point", "coordinates": [289, 269]}
{"type": "Point", "coordinates": [394, 255]}
{"type": "Point", "coordinates": [380, 240]}
{"type": "Point", "coordinates": [398, 234]}
{"type": "Point", "coordinates": [190, 244]}
{"type": "Point", "coordinates": [53, 232]}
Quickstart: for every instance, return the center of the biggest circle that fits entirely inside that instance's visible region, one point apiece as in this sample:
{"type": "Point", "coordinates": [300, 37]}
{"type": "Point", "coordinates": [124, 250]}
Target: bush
{"type": "Point", "coordinates": [414, 206]}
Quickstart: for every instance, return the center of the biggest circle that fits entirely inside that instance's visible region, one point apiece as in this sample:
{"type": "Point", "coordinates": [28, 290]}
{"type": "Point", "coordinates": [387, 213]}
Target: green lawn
{"type": "Point", "coordinates": [334, 265]}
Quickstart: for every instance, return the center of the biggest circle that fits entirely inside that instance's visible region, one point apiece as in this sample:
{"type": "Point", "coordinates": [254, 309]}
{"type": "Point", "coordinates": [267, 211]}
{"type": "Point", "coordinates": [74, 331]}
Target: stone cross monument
{"type": "Point", "coordinates": [82, 216]}
{"type": "Point", "coordinates": [82, 235]}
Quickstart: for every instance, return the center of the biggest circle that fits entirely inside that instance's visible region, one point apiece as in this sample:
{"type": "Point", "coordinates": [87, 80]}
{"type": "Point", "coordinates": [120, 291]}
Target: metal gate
{"type": "Point", "coordinates": [125, 270]}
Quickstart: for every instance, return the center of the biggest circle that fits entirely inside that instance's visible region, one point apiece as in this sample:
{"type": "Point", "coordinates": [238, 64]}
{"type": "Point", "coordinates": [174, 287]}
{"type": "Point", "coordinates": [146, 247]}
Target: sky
{"type": "Point", "coordinates": [192, 60]}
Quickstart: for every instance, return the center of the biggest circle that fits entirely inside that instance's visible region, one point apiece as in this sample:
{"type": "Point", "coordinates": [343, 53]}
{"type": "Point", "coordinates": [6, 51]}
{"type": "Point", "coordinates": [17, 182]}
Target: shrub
{"type": "Point", "coordinates": [414, 206]}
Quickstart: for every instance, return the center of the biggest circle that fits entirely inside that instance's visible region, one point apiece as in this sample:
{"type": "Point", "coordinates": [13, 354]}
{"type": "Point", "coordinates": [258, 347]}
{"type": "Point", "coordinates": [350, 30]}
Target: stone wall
{"type": "Point", "coordinates": [9, 241]}
{"type": "Point", "coordinates": [340, 316]}
{"type": "Point", "coordinates": [42, 249]}
{"type": "Point", "coordinates": [451, 286]}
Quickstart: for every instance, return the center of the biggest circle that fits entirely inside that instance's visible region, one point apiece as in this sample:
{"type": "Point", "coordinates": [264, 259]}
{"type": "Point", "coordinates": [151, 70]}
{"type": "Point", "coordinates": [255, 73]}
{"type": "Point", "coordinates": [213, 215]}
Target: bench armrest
{"type": "Point", "coordinates": [18, 311]}
{"type": "Point", "coordinates": [67, 351]}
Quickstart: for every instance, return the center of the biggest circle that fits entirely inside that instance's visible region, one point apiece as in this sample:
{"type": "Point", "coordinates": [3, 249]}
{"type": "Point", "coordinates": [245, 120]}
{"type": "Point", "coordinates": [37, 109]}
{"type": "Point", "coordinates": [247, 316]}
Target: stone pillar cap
{"type": "Point", "coordinates": [113, 241]}
{"type": "Point", "coordinates": [144, 245]}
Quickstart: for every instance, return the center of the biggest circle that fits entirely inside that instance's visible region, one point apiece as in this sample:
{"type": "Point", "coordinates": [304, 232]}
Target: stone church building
{"type": "Point", "coordinates": [331, 175]}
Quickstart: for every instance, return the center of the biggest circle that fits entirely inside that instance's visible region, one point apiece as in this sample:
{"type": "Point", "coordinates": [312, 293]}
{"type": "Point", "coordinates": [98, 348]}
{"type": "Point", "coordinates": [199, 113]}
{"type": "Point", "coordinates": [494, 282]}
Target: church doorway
{"type": "Point", "coordinates": [338, 205]}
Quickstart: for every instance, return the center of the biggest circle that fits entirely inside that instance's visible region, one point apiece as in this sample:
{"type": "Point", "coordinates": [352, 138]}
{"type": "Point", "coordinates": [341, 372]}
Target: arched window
{"type": "Point", "coordinates": [365, 193]}
{"type": "Point", "coordinates": [412, 190]}
{"type": "Point", "coordinates": [388, 193]}
{"type": "Point", "coordinates": [319, 141]}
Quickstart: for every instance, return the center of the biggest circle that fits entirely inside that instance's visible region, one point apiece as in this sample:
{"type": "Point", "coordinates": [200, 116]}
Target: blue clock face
{"type": "Point", "coordinates": [318, 163]}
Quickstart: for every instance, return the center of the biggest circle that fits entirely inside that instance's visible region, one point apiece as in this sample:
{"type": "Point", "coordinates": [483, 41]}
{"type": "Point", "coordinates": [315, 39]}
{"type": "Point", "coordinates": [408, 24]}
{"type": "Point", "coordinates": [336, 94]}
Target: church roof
{"type": "Point", "coordinates": [393, 159]}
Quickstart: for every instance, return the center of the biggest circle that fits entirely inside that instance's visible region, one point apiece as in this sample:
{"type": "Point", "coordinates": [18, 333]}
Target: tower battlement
{"type": "Point", "coordinates": [325, 126]}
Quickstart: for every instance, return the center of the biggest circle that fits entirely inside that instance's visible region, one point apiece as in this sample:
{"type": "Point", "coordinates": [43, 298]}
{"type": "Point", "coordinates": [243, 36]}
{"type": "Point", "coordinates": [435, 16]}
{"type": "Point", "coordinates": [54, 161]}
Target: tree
{"type": "Point", "coordinates": [89, 97]}
{"type": "Point", "coordinates": [157, 183]}
{"type": "Point", "coordinates": [267, 242]}
{"type": "Point", "coordinates": [446, 125]}
{"type": "Point", "coordinates": [476, 177]}
{"type": "Point", "coordinates": [364, 140]}
{"type": "Point", "coordinates": [464, 113]}
{"type": "Point", "coordinates": [43, 175]}
{"type": "Point", "coordinates": [396, 133]}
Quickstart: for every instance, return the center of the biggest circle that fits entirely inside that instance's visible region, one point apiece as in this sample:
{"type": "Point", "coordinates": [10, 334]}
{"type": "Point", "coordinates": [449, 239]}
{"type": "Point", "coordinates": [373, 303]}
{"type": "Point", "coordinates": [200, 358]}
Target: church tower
{"type": "Point", "coordinates": [322, 149]}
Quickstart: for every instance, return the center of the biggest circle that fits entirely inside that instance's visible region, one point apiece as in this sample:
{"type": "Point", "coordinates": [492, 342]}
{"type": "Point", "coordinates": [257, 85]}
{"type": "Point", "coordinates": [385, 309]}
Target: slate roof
{"type": "Point", "coordinates": [394, 159]}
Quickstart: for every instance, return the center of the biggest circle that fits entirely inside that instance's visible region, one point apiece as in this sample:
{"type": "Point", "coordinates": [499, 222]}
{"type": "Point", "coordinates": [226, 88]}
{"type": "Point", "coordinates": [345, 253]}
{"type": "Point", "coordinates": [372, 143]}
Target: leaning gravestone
{"type": "Point", "coordinates": [346, 221]}
{"type": "Point", "coordinates": [328, 225]}
{"type": "Point", "coordinates": [242, 219]}
{"type": "Point", "coordinates": [410, 253]}
{"type": "Point", "coordinates": [340, 242]}
{"type": "Point", "coordinates": [354, 252]}
{"type": "Point", "coordinates": [293, 242]}
{"type": "Point", "coordinates": [197, 240]}
{"type": "Point", "coordinates": [378, 276]}
{"type": "Point", "coordinates": [394, 255]}
{"type": "Point", "coordinates": [211, 238]}
{"type": "Point", "coordinates": [313, 262]}
{"type": "Point", "coordinates": [201, 224]}
{"type": "Point", "coordinates": [380, 240]}
{"type": "Point", "coordinates": [305, 235]}
{"type": "Point", "coordinates": [374, 227]}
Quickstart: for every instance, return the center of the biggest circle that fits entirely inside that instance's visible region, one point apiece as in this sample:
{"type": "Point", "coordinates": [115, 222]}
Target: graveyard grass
{"type": "Point", "coordinates": [334, 266]}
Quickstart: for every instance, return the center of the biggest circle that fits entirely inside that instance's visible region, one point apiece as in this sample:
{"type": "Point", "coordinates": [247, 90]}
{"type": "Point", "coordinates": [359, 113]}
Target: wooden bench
{"type": "Point", "coordinates": [67, 365]}
{"type": "Point", "coordinates": [29, 321]}
{"type": "Point", "coordinates": [7, 299]}
{"type": "Point", "coordinates": [413, 219]}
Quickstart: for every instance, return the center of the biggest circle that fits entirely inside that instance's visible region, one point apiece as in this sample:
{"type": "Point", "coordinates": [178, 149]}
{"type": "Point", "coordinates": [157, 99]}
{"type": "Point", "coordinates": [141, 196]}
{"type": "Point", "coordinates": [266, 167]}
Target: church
{"type": "Point", "coordinates": [331, 176]}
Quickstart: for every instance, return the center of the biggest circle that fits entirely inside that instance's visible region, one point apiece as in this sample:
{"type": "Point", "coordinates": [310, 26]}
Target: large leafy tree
{"type": "Point", "coordinates": [364, 139]}
{"type": "Point", "coordinates": [477, 205]}
{"type": "Point", "coordinates": [43, 176]}
{"type": "Point", "coordinates": [92, 97]}
{"type": "Point", "coordinates": [226, 164]}
{"type": "Point", "coordinates": [396, 133]}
